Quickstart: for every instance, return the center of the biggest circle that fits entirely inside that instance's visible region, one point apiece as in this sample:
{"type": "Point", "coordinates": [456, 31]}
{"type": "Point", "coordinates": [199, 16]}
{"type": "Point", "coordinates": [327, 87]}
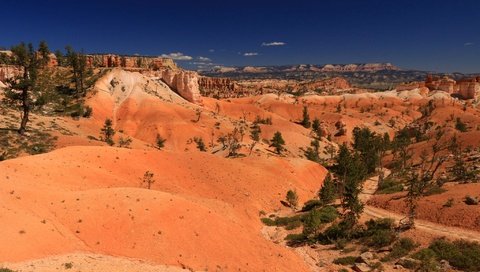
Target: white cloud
{"type": "Point", "coordinates": [200, 58]}
{"type": "Point", "coordinates": [273, 44]}
{"type": "Point", "coordinates": [250, 54]}
{"type": "Point", "coordinates": [468, 44]}
{"type": "Point", "coordinates": [176, 56]}
{"type": "Point", "coordinates": [211, 50]}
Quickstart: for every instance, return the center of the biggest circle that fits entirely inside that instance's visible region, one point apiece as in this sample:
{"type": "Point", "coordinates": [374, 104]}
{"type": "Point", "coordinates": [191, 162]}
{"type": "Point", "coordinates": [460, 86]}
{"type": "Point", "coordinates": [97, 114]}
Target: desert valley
{"type": "Point", "coordinates": [134, 164]}
{"type": "Point", "coordinates": [255, 136]}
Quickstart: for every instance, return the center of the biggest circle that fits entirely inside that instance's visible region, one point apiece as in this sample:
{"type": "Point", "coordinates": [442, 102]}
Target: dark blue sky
{"type": "Point", "coordinates": [428, 35]}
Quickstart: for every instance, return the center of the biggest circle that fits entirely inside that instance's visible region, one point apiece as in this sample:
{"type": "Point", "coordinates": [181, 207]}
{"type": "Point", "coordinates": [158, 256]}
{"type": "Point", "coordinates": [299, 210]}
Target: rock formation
{"type": "Point", "coordinates": [469, 88]}
{"type": "Point", "coordinates": [141, 62]}
{"type": "Point", "coordinates": [184, 82]}
{"type": "Point", "coordinates": [227, 88]}
{"type": "Point", "coordinates": [9, 71]}
{"type": "Point", "coordinates": [466, 88]}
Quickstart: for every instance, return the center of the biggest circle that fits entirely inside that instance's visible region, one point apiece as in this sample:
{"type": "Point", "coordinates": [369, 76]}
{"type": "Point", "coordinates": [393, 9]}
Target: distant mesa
{"type": "Point", "coordinates": [361, 67]}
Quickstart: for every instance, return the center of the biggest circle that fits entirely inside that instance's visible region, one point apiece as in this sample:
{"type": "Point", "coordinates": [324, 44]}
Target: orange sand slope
{"type": "Point", "coordinates": [200, 208]}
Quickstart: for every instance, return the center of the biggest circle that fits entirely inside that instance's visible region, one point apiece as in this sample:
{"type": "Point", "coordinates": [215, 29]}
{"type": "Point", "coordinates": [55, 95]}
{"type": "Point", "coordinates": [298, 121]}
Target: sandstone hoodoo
{"type": "Point", "coordinates": [464, 88]}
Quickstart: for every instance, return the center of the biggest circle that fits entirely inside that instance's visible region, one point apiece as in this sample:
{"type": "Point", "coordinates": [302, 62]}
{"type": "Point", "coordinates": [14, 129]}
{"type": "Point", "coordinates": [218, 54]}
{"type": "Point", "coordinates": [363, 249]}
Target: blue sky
{"type": "Point", "coordinates": [441, 36]}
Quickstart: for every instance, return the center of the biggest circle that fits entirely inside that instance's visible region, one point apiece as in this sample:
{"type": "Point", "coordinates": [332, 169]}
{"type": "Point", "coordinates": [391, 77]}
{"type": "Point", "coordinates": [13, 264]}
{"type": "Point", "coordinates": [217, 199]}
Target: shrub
{"type": "Point", "coordinates": [160, 141]}
{"type": "Point", "coordinates": [460, 126]}
{"type": "Point", "coordinates": [311, 204]}
{"type": "Point", "coordinates": [428, 259]}
{"type": "Point", "coordinates": [87, 112]}
{"type": "Point", "coordinates": [434, 190]}
{"type": "Point", "coordinates": [268, 221]}
{"type": "Point", "coordinates": [379, 233]}
{"type": "Point", "coordinates": [124, 142]}
{"type": "Point", "coordinates": [401, 248]}
{"type": "Point", "coordinates": [347, 260]}
{"type": "Point", "coordinates": [264, 121]}
{"type": "Point", "coordinates": [461, 254]}
{"type": "Point", "coordinates": [200, 144]}
{"type": "Point", "coordinates": [294, 239]}
{"type": "Point", "coordinates": [6, 270]}
{"type": "Point", "coordinates": [389, 186]}
{"type": "Point", "coordinates": [292, 198]}
{"type": "Point", "coordinates": [148, 179]}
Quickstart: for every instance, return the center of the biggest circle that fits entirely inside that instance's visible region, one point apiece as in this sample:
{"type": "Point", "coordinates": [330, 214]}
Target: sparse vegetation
{"type": "Point", "coordinates": [278, 142]}
{"type": "Point", "coordinates": [107, 132]}
{"type": "Point", "coordinates": [460, 126]}
{"type": "Point", "coordinates": [148, 179]}
{"type": "Point", "coordinates": [292, 198]}
{"type": "Point", "coordinates": [306, 118]}
{"type": "Point", "coordinates": [200, 144]}
{"type": "Point", "coordinates": [255, 132]}
{"type": "Point", "coordinates": [160, 141]}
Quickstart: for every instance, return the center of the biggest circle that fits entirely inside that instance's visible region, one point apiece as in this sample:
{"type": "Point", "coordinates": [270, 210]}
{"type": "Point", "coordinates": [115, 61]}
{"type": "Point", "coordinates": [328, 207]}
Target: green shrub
{"type": "Point", "coordinates": [295, 239]}
{"type": "Point", "coordinates": [311, 204]}
{"type": "Point", "coordinates": [379, 233]}
{"type": "Point", "coordinates": [328, 214]}
{"type": "Point", "coordinates": [434, 190]}
{"type": "Point", "coordinates": [268, 221]}
{"type": "Point", "coordinates": [6, 270]}
{"type": "Point", "coordinates": [347, 260]}
{"type": "Point", "coordinates": [428, 260]}
{"type": "Point", "coordinates": [401, 248]}
{"type": "Point", "coordinates": [461, 254]}
{"type": "Point", "coordinates": [389, 186]}
{"type": "Point", "coordinates": [293, 225]}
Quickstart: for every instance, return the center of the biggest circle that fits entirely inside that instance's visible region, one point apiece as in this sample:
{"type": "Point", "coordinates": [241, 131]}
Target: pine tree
{"type": "Point", "coordinates": [316, 129]}
{"type": "Point", "coordinates": [22, 89]}
{"type": "Point", "coordinates": [108, 132]}
{"type": "Point", "coordinates": [327, 193]}
{"type": "Point", "coordinates": [255, 132]}
{"type": "Point", "coordinates": [351, 172]}
{"type": "Point", "coordinates": [292, 199]}
{"type": "Point", "coordinates": [306, 118]}
{"type": "Point", "coordinates": [369, 146]}
{"type": "Point", "coordinates": [312, 152]}
{"type": "Point", "coordinates": [44, 53]}
{"type": "Point", "coordinates": [78, 62]}
{"type": "Point", "coordinates": [277, 142]}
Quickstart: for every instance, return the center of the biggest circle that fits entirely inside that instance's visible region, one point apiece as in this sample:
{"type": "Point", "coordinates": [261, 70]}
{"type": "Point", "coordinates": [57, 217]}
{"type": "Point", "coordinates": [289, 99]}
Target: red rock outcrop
{"type": "Point", "coordinates": [227, 88]}
{"type": "Point", "coordinates": [466, 88]}
{"type": "Point", "coordinates": [469, 88]}
{"type": "Point", "coordinates": [141, 62]}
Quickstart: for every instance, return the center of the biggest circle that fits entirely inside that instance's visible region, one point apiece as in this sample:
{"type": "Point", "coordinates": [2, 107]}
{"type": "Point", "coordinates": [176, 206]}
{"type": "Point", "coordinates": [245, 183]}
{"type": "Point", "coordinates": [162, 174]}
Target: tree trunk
{"type": "Point", "coordinates": [26, 112]}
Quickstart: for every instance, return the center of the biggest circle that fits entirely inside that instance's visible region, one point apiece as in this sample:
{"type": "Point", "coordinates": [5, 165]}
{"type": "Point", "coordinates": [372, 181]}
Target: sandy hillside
{"type": "Point", "coordinates": [86, 199]}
